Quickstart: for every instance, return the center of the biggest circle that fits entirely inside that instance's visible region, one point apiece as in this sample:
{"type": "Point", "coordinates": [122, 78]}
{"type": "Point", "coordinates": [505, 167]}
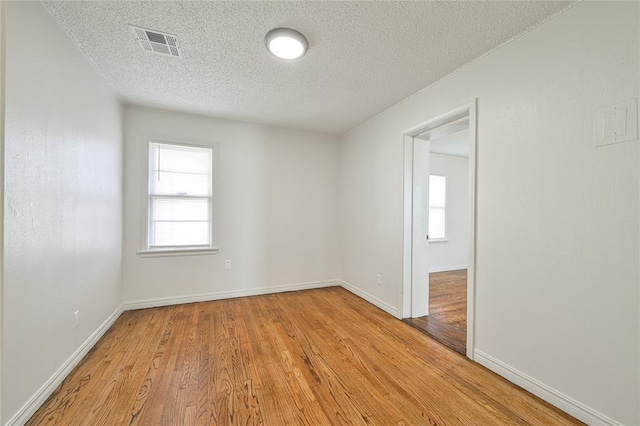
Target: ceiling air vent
{"type": "Point", "coordinates": [156, 41]}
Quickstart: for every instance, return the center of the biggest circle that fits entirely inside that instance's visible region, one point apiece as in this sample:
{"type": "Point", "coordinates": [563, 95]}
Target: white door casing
{"type": "Point", "coordinates": [415, 279]}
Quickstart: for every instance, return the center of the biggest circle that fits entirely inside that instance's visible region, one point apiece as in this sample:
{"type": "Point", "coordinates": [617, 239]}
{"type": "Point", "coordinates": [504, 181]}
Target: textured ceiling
{"type": "Point", "coordinates": [363, 56]}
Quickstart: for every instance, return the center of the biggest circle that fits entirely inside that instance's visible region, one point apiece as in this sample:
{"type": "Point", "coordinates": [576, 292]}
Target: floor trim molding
{"type": "Point", "coordinates": [447, 268]}
{"type": "Point", "coordinates": [41, 395]}
{"type": "Point", "coordinates": [547, 393]}
{"type": "Point", "coordinates": [371, 299]}
{"type": "Point", "coordinates": [219, 295]}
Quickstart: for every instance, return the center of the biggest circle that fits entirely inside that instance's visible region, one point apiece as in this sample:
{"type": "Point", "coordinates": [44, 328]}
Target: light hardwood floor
{"type": "Point", "coordinates": [448, 298]}
{"type": "Point", "coordinates": [314, 357]}
{"type": "Point", "coordinates": [447, 319]}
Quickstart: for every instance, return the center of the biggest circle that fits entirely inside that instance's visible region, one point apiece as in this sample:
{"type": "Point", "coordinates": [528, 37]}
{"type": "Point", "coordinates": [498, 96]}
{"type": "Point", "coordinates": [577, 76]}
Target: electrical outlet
{"type": "Point", "coordinates": [76, 319]}
{"type": "Point", "coordinates": [227, 265]}
{"type": "Point", "coordinates": [379, 279]}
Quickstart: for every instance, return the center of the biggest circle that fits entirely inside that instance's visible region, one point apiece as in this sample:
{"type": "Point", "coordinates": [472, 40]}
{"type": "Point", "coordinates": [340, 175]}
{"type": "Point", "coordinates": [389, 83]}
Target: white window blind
{"type": "Point", "coordinates": [180, 196]}
{"type": "Point", "coordinates": [437, 206]}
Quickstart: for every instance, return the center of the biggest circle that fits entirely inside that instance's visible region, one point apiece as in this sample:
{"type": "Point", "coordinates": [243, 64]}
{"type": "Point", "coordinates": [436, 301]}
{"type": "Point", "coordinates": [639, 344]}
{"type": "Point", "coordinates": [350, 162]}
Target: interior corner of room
{"type": "Point", "coordinates": [493, 205]}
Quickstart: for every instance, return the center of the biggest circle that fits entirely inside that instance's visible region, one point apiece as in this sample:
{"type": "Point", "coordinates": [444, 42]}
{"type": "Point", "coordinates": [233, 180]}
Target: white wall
{"type": "Point", "coordinates": [63, 202]}
{"type": "Point", "coordinates": [452, 253]}
{"type": "Point", "coordinates": [277, 218]}
{"type": "Point", "coordinates": [557, 219]}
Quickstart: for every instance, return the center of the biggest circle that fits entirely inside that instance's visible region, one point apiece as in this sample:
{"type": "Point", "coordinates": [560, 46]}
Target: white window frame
{"type": "Point", "coordinates": [147, 251]}
{"type": "Point", "coordinates": [444, 208]}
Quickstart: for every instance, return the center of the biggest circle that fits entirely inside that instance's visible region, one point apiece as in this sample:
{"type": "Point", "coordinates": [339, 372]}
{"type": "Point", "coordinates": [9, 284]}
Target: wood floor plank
{"type": "Point", "coordinates": [364, 376]}
{"type": "Point", "coordinates": [296, 398]}
{"type": "Point", "coordinates": [438, 358]}
{"type": "Point", "coordinates": [408, 369]}
{"type": "Point", "coordinates": [201, 372]}
{"type": "Point", "coordinates": [448, 297]}
{"type": "Point", "coordinates": [447, 319]}
{"type": "Point", "coordinates": [337, 407]}
{"type": "Point", "coordinates": [369, 408]}
{"type": "Point", "coordinates": [314, 357]}
{"type": "Point", "coordinates": [163, 361]}
{"type": "Point", "coordinates": [90, 376]}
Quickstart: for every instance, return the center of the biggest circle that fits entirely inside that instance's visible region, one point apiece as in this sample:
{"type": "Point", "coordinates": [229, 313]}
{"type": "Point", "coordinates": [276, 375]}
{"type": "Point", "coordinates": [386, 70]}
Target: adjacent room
{"type": "Point", "coordinates": [445, 259]}
{"type": "Point", "coordinates": [311, 212]}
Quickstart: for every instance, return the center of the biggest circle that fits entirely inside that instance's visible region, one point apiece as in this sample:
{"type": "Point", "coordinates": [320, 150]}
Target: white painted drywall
{"type": "Point", "coordinates": [63, 202]}
{"type": "Point", "coordinates": [452, 253]}
{"type": "Point", "coordinates": [277, 217]}
{"type": "Point", "coordinates": [557, 219]}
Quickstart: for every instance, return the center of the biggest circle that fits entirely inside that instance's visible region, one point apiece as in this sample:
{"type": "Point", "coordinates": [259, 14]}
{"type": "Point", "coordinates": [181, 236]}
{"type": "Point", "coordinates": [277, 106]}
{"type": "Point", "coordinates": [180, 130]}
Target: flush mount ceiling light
{"type": "Point", "coordinates": [286, 43]}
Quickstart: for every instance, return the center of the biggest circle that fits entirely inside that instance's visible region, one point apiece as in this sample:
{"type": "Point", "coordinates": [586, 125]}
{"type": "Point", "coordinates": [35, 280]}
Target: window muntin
{"type": "Point", "coordinates": [437, 207]}
{"type": "Point", "coordinates": [180, 196]}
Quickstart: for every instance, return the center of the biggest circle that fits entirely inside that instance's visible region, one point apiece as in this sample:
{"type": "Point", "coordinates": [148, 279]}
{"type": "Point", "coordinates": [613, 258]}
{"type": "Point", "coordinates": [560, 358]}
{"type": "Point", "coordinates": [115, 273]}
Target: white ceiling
{"type": "Point", "coordinates": [456, 144]}
{"type": "Point", "coordinates": [363, 56]}
{"type": "Point", "coordinates": [449, 139]}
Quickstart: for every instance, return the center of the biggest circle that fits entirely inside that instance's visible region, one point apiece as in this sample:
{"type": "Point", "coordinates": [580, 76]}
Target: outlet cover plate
{"type": "Point", "coordinates": [616, 123]}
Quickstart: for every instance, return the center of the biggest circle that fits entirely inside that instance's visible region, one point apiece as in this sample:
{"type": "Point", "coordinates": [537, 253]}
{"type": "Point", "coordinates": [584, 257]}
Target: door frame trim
{"type": "Point", "coordinates": [408, 136]}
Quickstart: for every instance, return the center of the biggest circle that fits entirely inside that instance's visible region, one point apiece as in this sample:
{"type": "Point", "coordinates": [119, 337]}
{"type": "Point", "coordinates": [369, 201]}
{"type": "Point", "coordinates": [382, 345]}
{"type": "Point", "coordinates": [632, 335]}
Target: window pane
{"type": "Point", "coordinates": [176, 169]}
{"type": "Point", "coordinates": [176, 234]}
{"type": "Point", "coordinates": [180, 181]}
{"type": "Point", "coordinates": [178, 158]}
{"type": "Point", "coordinates": [179, 209]}
{"type": "Point", "coordinates": [437, 201]}
{"type": "Point", "coordinates": [172, 183]}
{"type": "Point", "coordinates": [437, 191]}
{"type": "Point", "coordinates": [436, 223]}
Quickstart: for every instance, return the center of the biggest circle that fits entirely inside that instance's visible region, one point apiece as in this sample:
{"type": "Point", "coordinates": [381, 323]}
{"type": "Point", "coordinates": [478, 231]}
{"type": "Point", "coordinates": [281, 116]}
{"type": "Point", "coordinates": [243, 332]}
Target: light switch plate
{"type": "Point", "coordinates": [616, 123]}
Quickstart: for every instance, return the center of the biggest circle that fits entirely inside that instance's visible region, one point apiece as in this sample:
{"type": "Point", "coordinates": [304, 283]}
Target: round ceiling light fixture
{"type": "Point", "coordinates": [286, 43]}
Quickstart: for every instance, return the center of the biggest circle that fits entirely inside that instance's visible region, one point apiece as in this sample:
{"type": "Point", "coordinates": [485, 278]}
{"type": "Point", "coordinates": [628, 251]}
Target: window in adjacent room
{"type": "Point", "coordinates": [180, 198]}
{"type": "Point", "coordinates": [437, 207]}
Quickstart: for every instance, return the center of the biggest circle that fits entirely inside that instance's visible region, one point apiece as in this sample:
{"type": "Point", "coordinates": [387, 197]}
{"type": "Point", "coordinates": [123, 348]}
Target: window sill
{"type": "Point", "coordinates": [179, 252]}
{"type": "Point", "coordinates": [439, 240]}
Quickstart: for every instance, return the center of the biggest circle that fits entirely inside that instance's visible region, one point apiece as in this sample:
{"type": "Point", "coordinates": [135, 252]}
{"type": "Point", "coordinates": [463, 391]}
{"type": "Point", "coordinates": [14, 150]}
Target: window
{"type": "Point", "coordinates": [180, 202]}
{"type": "Point", "coordinates": [437, 202]}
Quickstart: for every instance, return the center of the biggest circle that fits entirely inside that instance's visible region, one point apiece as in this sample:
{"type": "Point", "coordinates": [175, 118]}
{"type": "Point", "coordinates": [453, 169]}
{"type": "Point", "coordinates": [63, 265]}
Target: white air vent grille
{"type": "Point", "coordinates": [157, 41]}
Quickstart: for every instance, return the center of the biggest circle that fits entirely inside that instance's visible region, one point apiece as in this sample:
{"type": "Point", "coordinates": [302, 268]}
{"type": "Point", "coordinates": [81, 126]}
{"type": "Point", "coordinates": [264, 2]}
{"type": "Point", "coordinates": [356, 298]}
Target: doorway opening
{"type": "Point", "coordinates": [439, 212]}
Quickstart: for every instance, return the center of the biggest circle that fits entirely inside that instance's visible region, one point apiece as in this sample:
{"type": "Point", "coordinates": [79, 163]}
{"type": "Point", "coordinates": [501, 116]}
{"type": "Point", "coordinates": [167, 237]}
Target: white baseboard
{"type": "Point", "coordinates": [447, 268]}
{"type": "Point", "coordinates": [219, 295]}
{"type": "Point", "coordinates": [371, 299]}
{"type": "Point", "coordinates": [552, 396]}
{"type": "Point", "coordinates": [32, 405]}
{"type": "Point", "coordinates": [547, 393]}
